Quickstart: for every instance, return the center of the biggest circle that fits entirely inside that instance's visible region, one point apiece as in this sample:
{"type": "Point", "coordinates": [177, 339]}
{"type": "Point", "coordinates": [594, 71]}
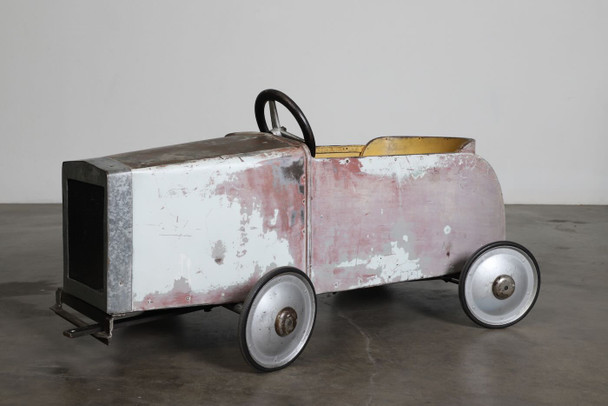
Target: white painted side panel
{"type": "Point", "coordinates": [200, 235]}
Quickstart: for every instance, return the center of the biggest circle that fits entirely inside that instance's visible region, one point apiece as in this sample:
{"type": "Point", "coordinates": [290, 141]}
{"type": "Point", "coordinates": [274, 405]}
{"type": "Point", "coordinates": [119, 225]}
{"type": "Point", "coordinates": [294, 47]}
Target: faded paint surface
{"type": "Point", "coordinates": [378, 220]}
{"type": "Point", "coordinates": [233, 144]}
{"type": "Point", "coordinates": [205, 231]}
{"type": "Point", "coordinates": [210, 218]}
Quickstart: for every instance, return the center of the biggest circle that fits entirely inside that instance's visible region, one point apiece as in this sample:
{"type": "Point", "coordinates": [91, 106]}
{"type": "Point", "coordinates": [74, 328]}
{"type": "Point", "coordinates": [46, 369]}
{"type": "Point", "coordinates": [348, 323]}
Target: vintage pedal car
{"type": "Point", "coordinates": [262, 222]}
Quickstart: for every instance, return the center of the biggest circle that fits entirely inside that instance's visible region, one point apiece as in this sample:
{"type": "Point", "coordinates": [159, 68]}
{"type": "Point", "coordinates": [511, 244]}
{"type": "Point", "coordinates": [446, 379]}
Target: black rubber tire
{"type": "Point", "coordinates": [465, 272]}
{"type": "Point", "coordinates": [242, 328]}
{"type": "Point", "coordinates": [275, 95]}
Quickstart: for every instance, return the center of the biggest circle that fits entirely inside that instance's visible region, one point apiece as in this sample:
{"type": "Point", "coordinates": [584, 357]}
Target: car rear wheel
{"type": "Point", "coordinates": [277, 319]}
{"type": "Point", "coordinates": [499, 284]}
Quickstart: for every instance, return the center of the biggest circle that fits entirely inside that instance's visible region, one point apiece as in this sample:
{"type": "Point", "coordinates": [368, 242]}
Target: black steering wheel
{"type": "Point", "coordinates": [271, 96]}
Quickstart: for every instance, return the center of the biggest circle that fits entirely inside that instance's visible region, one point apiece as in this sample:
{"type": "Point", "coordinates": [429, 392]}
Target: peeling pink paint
{"type": "Point", "coordinates": [278, 193]}
{"type": "Point", "coordinates": [275, 189]}
{"type": "Point", "coordinates": [182, 295]}
{"type": "Point", "coordinates": [357, 216]}
{"type": "Point", "coordinates": [348, 222]}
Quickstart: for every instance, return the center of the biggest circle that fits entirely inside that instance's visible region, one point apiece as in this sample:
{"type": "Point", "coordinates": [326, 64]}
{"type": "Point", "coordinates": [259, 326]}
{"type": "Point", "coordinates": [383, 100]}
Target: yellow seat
{"type": "Point", "coordinates": [387, 146]}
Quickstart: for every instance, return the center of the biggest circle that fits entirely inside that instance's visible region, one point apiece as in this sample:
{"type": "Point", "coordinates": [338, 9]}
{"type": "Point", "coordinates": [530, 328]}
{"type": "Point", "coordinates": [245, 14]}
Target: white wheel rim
{"type": "Point", "coordinates": [495, 267]}
{"type": "Point", "coordinates": [287, 291]}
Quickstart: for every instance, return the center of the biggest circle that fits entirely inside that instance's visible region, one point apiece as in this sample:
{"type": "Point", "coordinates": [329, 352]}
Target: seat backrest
{"type": "Point", "coordinates": [417, 145]}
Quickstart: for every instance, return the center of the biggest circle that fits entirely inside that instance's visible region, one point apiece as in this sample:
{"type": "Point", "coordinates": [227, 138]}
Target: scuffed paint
{"type": "Point", "coordinates": [403, 167]}
{"type": "Point", "coordinates": [378, 220]}
{"type": "Point", "coordinates": [182, 293]}
{"type": "Point", "coordinates": [210, 218]}
{"type": "Point", "coordinates": [208, 224]}
{"type": "Point", "coordinates": [394, 267]}
{"type": "Point", "coordinates": [216, 226]}
{"type": "Point", "coordinates": [218, 252]}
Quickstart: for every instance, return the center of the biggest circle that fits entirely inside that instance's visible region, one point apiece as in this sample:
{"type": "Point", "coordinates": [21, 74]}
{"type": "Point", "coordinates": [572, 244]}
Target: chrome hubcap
{"type": "Point", "coordinates": [280, 320]}
{"type": "Point", "coordinates": [503, 287]}
{"type": "Point", "coordinates": [490, 289]}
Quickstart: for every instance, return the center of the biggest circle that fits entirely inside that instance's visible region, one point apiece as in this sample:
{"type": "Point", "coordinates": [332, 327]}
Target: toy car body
{"type": "Point", "coordinates": [236, 220]}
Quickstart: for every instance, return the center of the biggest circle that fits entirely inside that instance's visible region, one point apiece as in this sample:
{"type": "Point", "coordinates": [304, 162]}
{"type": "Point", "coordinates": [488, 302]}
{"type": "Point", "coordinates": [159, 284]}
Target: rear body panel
{"type": "Point", "coordinates": [384, 219]}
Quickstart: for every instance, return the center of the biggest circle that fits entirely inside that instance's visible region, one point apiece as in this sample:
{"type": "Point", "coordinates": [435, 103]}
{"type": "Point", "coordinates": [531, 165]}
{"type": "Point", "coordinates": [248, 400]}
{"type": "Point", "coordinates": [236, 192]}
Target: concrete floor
{"type": "Point", "coordinates": [409, 343]}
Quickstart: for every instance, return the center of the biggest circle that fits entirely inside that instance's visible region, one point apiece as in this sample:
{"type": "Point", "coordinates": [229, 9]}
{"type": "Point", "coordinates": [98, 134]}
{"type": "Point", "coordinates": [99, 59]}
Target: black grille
{"type": "Point", "coordinates": [86, 206]}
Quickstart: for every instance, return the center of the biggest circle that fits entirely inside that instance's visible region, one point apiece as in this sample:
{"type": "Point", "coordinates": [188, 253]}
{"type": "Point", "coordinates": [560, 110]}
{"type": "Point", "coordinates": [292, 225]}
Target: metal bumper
{"type": "Point", "coordinates": [104, 324]}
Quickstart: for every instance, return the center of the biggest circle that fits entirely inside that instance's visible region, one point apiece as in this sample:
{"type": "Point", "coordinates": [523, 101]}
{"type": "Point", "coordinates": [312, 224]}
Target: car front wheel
{"type": "Point", "coordinates": [277, 319]}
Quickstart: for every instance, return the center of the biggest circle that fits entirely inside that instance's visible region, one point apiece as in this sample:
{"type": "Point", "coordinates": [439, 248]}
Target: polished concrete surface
{"type": "Point", "coordinates": [409, 343]}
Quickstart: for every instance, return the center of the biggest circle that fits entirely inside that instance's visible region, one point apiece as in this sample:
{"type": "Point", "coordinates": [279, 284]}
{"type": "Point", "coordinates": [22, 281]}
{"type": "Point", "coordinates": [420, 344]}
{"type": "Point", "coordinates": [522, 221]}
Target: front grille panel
{"type": "Point", "coordinates": [86, 236]}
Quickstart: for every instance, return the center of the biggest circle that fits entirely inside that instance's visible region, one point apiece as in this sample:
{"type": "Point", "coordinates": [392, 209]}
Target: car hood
{"type": "Point", "coordinates": [235, 144]}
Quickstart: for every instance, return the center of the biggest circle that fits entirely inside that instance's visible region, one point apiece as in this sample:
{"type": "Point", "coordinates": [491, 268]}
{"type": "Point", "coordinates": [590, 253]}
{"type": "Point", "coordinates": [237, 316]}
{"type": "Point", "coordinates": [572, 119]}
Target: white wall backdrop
{"type": "Point", "coordinates": [527, 79]}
